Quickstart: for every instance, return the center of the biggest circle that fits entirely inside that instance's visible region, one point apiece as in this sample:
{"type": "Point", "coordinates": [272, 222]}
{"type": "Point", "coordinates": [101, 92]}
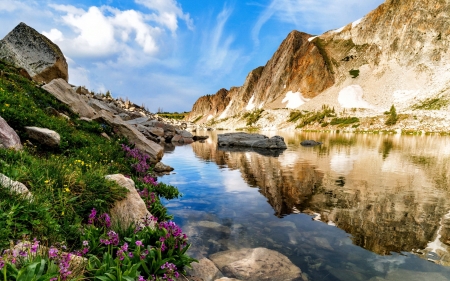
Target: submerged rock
{"type": "Point", "coordinates": [310, 143]}
{"type": "Point", "coordinates": [250, 140]}
{"type": "Point", "coordinates": [204, 269]}
{"type": "Point", "coordinates": [256, 264]}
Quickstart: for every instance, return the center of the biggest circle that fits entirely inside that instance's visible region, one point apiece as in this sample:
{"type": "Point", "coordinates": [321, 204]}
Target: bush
{"type": "Point", "coordinates": [354, 73]}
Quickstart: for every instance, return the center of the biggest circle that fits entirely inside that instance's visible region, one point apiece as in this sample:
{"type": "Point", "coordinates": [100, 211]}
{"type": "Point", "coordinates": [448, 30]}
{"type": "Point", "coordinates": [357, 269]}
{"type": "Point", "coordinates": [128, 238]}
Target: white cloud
{"type": "Point", "coordinates": [313, 14]}
{"type": "Point", "coordinates": [9, 5]}
{"type": "Point", "coordinates": [168, 12]}
{"type": "Point", "coordinates": [55, 35]}
{"type": "Point", "coordinates": [218, 54]}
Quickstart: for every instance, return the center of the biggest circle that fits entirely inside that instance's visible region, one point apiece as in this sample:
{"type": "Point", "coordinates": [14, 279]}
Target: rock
{"type": "Point", "coordinates": [130, 210]}
{"type": "Point", "coordinates": [161, 168]}
{"type": "Point", "coordinates": [8, 137]}
{"type": "Point", "coordinates": [154, 150]}
{"type": "Point", "coordinates": [177, 138]}
{"type": "Point", "coordinates": [44, 136]}
{"type": "Point", "coordinates": [204, 269]}
{"type": "Point", "coordinates": [61, 90]}
{"type": "Point", "coordinates": [310, 143]}
{"type": "Point", "coordinates": [250, 140]}
{"type": "Point", "coordinates": [124, 116]}
{"type": "Point", "coordinates": [159, 132]}
{"type": "Point", "coordinates": [15, 186]}
{"type": "Point", "coordinates": [184, 133]}
{"type": "Point", "coordinates": [41, 58]}
{"type": "Point", "coordinates": [105, 135]}
{"type": "Point", "coordinates": [136, 121]}
{"type": "Point", "coordinates": [200, 138]}
{"type": "Point", "coordinates": [82, 90]}
{"type": "Point", "coordinates": [85, 119]}
{"type": "Point", "coordinates": [227, 279]}
{"type": "Point", "coordinates": [256, 264]}
{"type": "Point", "coordinates": [100, 105]}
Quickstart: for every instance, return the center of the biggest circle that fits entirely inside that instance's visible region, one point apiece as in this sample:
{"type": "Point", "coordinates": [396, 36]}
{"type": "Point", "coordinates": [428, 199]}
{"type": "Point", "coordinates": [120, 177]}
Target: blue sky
{"type": "Point", "coordinates": [167, 53]}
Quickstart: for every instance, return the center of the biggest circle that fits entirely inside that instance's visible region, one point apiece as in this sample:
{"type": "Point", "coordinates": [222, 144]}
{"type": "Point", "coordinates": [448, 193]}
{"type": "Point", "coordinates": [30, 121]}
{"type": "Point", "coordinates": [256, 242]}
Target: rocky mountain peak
{"type": "Point", "coordinates": [32, 51]}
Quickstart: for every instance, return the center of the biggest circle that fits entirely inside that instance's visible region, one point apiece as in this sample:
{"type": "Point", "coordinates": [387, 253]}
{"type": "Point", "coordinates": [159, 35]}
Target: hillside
{"type": "Point", "coordinates": [395, 55]}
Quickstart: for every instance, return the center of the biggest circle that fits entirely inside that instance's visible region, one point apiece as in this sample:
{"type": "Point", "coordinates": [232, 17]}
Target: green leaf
{"type": "Point", "coordinates": [112, 277]}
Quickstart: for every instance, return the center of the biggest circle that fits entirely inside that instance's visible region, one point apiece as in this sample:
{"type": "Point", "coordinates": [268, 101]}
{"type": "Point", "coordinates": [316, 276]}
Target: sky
{"type": "Point", "coordinates": [165, 54]}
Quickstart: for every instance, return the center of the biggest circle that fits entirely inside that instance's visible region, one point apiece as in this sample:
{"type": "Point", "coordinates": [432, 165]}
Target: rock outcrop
{"type": "Point", "coordinates": [250, 140]}
{"type": "Point", "coordinates": [256, 264]}
{"type": "Point", "coordinates": [8, 137]}
{"type": "Point", "coordinates": [32, 51]}
{"type": "Point", "coordinates": [130, 210]}
{"type": "Point", "coordinates": [44, 136]}
{"type": "Point", "coordinates": [61, 90]}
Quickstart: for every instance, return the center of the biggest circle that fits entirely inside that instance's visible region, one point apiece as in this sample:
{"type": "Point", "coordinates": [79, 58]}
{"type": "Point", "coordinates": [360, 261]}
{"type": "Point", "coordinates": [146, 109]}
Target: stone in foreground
{"type": "Point", "coordinates": [44, 136]}
{"type": "Point", "coordinates": [256, 264]}
{"type": "Point", "coordinates": [204, 269]}
{"type": "Point", "coordinates": [8, 137]}
{"type": "Point", "coordinates": [250, 140]}
{"type": "Point", "coordinates": [130, 210]}
{"type": "Point", "coordinates": [14, 186]}
{"type": "Point", "coordinates": [41, 58]}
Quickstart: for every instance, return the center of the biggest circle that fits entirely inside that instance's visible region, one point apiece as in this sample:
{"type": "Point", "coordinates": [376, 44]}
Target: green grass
{"type": "Point", "coordinates": [432, 104]}
{"type": "Point", "coordinates": [344, 121]}
{"type": "Point", "coordinates": [197, 119]}
{"type": "Point", "coordinates": [253, 116]}
{"type": "Point", "coordinates": [175, 115]}
{"type": "Point", "coordinates": [314, 117]}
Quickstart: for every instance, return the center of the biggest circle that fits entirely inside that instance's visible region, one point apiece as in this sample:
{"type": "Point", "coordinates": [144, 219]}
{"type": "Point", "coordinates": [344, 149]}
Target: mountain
{"type": "Point", "coordinates": [395, 55]}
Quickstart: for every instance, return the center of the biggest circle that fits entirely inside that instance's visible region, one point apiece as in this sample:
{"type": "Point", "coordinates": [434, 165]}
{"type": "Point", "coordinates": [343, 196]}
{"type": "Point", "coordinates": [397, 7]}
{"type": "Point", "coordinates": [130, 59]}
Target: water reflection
{"type": "Point", "coordinates": [389, 192]}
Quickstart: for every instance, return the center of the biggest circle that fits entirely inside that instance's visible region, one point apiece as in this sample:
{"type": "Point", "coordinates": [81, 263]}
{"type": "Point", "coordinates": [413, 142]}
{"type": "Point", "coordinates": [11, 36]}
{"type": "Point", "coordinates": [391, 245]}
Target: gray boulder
{"type": "Point", "coordinates": [250, 140]}
{"type": "Point", "coordinates": [162, 168]}
{"type": "Point", "coordinates": [130, 210]}
{"type": "Point", "coordinates": [61, 90]}
{"type": "Point", "coordinates": [310, 143]}
{"type": "Point", "coordinates": [44, 136]}
{"type": "Point", "coordinates": [41, 58]}
{"type": "Point", "coordinates": [101, 105]}
{"type": "Point", "coordinates": [8, 137]}
{"type": "Point", "coordinates": [15, 186]}
{"type": "Point", "coordinates": [256, 264]}
{"type": "Point", "coordinates": [149, 147]}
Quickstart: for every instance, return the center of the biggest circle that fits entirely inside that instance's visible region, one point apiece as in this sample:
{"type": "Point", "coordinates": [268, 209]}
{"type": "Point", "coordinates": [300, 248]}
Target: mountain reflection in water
{"type": "Point", "coordinates": [390, 192]}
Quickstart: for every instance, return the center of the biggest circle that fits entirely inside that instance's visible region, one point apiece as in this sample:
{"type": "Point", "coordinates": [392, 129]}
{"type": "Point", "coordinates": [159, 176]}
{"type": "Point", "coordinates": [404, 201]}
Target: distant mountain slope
{"type": "Point", "coordinates": [397, 54]}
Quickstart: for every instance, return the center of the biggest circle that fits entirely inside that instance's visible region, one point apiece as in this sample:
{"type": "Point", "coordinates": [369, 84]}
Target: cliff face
{"type": "Point", "coordinates": [41, 58]}
{"type": "Point", "coordinates": [397, 54]}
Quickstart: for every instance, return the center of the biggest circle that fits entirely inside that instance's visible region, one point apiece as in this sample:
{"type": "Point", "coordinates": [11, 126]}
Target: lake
{"type": "Point", "coordinates": [357, 207]}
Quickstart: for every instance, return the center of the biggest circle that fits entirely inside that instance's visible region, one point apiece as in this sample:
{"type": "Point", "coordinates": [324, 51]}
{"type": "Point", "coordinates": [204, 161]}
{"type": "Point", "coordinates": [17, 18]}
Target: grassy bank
{"type": "Point", "coordinates": [67, 215]}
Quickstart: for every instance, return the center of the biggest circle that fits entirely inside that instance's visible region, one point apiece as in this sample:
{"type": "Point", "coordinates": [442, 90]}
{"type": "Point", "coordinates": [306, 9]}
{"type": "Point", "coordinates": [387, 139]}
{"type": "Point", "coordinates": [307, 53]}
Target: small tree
{"type": "Point", "coordinates": [393, 118]}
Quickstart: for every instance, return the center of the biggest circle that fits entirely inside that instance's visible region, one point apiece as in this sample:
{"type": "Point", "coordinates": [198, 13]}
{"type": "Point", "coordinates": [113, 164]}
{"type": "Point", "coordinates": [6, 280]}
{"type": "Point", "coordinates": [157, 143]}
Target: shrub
{"type": "Point", "coordinates": [354, 73]}
{"type": "Point", "coordinates": [253, 116]}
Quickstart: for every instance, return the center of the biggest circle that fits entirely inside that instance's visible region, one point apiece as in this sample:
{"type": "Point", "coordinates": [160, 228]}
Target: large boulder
{"type": "Point", "coordinates": [8, 137]}
{"type": "Point", "coordinates": [204, 269]}
{"type": "Point", "coordinates": [147, 146]}
{"type": "Point", "coordinates": [44, 136]}
{"type": "Point", "coordinates": [250, 140]}
{"type": "Point", "coordinates": [61, 90]}
{"type": "Point", "coordinates": [256, 264]}
{"type": "Point", "coordinates": [130, 210]}
{"type": "Point", "coordinates": [101, 105]}
{"type": "Point", "coordinates": [41, 58]}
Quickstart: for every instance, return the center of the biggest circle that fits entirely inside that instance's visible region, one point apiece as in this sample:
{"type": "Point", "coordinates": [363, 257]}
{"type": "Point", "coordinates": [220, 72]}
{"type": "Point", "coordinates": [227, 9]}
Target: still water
{"type": "Point", "coordinates": [358, 207]}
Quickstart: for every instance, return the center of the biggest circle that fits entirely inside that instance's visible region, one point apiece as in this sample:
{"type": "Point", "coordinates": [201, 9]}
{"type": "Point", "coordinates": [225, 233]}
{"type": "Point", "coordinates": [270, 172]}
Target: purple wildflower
{"type": "Point", "coordinates": [92, 216]}
{"type": "Point", "coordinates": [105, 220]}
{"type": "Point", "coordinates": [138, 243]}
{"type": "Point", "coordinates": [35, 245]}
{"type": "Point", "coordinates": [53, 252]}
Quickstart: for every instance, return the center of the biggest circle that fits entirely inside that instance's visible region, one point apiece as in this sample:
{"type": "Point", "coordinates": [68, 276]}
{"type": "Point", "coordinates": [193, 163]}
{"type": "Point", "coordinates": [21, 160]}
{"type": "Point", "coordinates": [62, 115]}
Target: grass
{"type": "Point", "coordinates": [432, 104]}
{"type": "Point", "coordinates": [66, 182]}
{"type": "Point", "coordinates": [344, 121]}
{"type": "Point", "coordinates": [197, 119]}
{"type": "Point", "coordinates": [313, 117]}
{"type": "Point", "coordinates": [354, 73]}
{"type": "Point", "coordinates": [253, 116]}
{"type": "Point", "coordinates": [173, 115]}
